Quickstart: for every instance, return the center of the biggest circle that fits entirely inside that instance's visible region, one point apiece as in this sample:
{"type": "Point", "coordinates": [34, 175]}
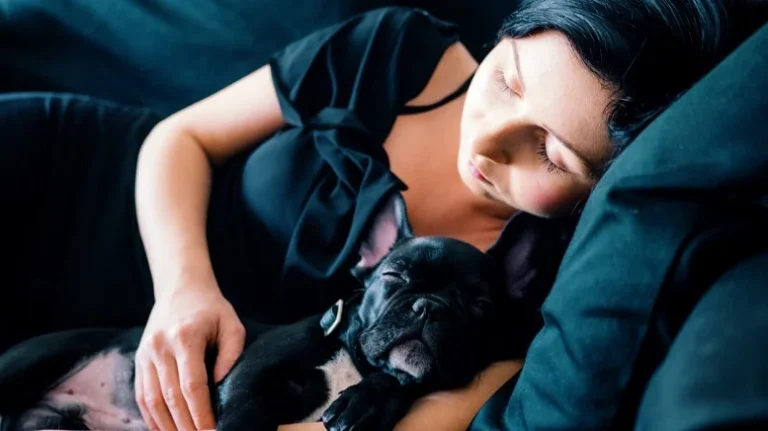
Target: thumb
{"type": "Point", "coordinates": [230, 346]}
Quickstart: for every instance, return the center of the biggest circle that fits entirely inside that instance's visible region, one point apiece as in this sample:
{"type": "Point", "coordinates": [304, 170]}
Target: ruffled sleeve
{"type": "Point", "coordinates": [359, 73]}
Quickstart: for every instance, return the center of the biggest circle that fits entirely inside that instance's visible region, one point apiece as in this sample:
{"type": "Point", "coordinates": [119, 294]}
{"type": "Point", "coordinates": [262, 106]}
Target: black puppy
{"type": "Point", "coordinates": [429, 318]}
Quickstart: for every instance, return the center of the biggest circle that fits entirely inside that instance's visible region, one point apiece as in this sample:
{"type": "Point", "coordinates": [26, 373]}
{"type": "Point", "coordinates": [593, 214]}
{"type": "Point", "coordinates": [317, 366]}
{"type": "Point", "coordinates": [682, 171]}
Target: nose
{"type": "Point", "coordinates": [501, 137]}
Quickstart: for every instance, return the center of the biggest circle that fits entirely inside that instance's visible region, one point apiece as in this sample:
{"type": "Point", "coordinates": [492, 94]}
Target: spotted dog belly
{"type": "Point", "coordinates": [98, 394]}
{"type": "Point", "coordinates": [340, 373]}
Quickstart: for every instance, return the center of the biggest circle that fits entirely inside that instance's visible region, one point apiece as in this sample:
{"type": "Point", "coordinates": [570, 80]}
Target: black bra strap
{"type": "Point", "coordinates": [409, 110]}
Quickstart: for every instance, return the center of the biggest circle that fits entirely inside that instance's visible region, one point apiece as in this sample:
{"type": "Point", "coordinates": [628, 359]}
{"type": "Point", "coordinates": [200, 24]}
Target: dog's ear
{"type": "Point", "coordinates": [528, 253]}
{"type": "Point", "coordinates": [529, 250]}
{"type": "Point", "coordinates": [389, 226]}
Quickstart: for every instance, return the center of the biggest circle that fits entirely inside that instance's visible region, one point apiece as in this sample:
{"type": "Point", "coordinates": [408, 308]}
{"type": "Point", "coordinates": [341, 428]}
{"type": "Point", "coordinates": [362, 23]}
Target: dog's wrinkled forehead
{"type": "Point", "coordinates": [438, 263]}
{"type": "Point", "coordinates": [389, 249]}
{"type": "Point", "coordinates": [438, 256]}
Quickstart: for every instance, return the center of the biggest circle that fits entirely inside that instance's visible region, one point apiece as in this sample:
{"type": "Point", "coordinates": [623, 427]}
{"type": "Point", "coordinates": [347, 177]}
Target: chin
{"type": "Point", "coordinates": [409, 361]}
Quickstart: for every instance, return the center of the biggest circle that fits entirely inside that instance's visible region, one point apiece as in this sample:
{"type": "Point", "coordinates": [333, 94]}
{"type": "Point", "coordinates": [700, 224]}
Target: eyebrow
{"type": "Point", "coordinates": [591, 168]}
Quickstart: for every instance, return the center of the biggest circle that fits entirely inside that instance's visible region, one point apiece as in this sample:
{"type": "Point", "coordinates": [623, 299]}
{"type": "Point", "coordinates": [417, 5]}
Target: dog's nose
{"type": "Point", "coordinates": [420, 307]}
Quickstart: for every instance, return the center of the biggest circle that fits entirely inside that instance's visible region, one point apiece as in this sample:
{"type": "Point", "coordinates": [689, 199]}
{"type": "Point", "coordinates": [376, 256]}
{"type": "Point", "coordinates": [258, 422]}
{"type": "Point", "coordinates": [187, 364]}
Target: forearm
{"type": "Point", "coordinates": [449, 410]}
{"type": "Point", "coordinates": [455, 410]}
{"type": "Point", "coordinates": [172, 192]}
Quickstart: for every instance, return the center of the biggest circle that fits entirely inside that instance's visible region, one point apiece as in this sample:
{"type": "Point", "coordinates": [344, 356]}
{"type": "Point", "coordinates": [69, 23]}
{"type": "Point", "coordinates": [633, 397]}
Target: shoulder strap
{"type": "Point", "coordinates": [409, 110]}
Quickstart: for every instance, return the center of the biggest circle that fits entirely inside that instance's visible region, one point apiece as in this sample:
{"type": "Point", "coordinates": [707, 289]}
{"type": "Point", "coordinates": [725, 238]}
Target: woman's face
{"type": "Point", "coordinates": [534, 130]}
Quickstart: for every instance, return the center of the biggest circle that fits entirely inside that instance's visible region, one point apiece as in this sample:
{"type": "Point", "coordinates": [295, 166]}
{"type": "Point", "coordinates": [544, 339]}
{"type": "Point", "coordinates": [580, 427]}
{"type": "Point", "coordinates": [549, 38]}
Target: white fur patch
{"type": "Point", "coordinates": [103, 389]}
{"type": "Point", "coordinates": [340, 373]}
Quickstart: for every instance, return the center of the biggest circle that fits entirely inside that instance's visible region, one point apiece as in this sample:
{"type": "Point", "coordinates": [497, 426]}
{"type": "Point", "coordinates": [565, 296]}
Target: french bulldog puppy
{"type": "Point", "coordinates": [431, 313]}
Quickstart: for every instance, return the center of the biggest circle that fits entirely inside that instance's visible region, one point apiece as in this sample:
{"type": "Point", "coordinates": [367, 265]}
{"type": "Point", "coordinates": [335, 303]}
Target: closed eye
{"type": "Point", "coordinates": [482, 305]}
{"type": "Point", "coordinates": [501, 83]}
{"type": "Point", "coordinates": [392, 274]}
{"type": "Point", "coordinates": [552, 167]}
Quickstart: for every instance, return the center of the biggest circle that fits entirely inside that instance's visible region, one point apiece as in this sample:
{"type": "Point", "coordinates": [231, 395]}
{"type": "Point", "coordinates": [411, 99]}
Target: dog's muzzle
{"type": "Point", "coordinates": [396, 339]}
{"type": "Point", "coordinates": [411, 357]}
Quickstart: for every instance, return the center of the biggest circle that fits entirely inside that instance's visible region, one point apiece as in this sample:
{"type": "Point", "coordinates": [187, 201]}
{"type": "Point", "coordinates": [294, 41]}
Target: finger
{"type": "Point", "coordinates": [153, 397]}
{"type": "Point", "coordinates": [194, 386]}
{"type": "Point", "coordinates": [230, 342]}
{"type": "Point", "coordinates": [168, 374]}
{"type": "Point", "coordinates": [138, 383]}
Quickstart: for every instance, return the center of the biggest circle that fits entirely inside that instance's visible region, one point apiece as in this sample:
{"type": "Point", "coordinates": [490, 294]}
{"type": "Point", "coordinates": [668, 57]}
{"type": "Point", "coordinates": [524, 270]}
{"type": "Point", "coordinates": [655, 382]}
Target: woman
{"type": "Point", "coordinates": [253, 198]}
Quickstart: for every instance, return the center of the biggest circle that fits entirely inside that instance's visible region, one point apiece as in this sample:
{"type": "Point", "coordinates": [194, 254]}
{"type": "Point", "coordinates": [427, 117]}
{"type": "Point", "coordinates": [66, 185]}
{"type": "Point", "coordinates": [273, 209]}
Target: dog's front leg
{"type": "Point", "coordinates": [251, 414]}
{"type": "Point", "coordinates": [377, 403]}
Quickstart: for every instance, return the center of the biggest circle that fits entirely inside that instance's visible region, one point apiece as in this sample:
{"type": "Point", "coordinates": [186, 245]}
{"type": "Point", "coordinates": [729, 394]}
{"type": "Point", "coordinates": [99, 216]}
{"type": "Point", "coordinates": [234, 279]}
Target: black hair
{"type": "Point", "coordinates": [648, 52]}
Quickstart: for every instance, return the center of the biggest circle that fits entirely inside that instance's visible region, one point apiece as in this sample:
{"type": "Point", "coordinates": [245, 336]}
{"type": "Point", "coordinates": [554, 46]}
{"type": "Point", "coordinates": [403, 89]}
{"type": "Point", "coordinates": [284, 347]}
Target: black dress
{"type": "Point", "coordinates": [284, 219]}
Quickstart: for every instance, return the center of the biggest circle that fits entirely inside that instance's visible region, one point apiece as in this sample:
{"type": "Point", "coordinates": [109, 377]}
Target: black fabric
{"type": "Point", "coordinates": [340, 90]}
{"type": "Point", "coordinates": [167, 54]}
{"type": "Point", "coordinates": [68, 223]}
{"type": "Point", "coordinates": [714, 377]}
{"type": "Point", "coordinates": [685, 202]}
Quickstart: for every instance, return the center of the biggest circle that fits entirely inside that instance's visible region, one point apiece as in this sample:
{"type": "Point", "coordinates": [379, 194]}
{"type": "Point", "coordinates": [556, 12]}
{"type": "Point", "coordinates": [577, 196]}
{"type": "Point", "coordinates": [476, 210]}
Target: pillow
{"type": "Point", "coordinates": [658, 229]}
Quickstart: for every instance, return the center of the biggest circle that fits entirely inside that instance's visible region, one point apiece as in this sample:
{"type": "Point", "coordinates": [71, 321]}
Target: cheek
{"type": "Point", "coordinates": [372, 302]}
{"type": "Point", "coordinates": [471, 111]}
{"type": "Point", "coordinates": [468, 126]}
{"type": "Point", "coordinates": [479, 113]}
{"type": "Point", "coordinates": [550, 197]}
{"type": "Point", "coordinates": [479, 101]}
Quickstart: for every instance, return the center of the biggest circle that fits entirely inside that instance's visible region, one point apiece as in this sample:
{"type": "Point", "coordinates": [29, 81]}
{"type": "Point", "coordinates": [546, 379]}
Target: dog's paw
{"type": "Point", "coordinates": [365, 407]}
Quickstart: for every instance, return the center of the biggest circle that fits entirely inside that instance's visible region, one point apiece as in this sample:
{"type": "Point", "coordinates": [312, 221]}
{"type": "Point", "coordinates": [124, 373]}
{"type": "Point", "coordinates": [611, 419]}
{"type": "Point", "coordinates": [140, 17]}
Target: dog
{"type": "Point", "coordinates": [432, 312]}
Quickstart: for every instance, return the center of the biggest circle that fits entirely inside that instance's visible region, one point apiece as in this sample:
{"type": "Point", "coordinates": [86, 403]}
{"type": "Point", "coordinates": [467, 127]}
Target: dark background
{"type": "Point", "coordinates": [166, 54]}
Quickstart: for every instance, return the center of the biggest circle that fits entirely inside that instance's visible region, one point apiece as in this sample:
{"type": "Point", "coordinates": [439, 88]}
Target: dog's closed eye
{"type": "Point", "coordinates": [393, 275]}
{"type": "Point", "coordinates": [482, 306]}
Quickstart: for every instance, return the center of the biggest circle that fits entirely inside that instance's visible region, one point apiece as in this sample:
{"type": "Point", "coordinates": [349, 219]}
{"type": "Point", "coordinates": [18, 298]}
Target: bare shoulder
{"type": "Point", "coordinates": [453, 69]}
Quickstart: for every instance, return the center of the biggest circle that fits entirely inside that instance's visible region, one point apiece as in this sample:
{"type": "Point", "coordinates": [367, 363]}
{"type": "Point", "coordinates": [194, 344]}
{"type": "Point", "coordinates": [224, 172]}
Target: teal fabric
{"type": "Point", "coordinates": [167, 54]}
{"type": "Point", "coordinates": [715, 373]}
{"type": "Point", "coordinates": [688, 199]}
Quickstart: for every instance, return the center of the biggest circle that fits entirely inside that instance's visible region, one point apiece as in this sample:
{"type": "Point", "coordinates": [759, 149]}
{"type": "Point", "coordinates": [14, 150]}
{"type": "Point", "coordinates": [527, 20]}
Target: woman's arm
{"type": "Point", "coordinates": [446, 411]}
{"type": "Point", "coordinates": [173, 172]}
{"type": "Point", "coordinates": [172, 194]}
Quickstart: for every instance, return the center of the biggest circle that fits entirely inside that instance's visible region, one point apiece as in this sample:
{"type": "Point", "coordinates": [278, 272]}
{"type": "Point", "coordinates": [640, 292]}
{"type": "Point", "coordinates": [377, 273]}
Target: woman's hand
{"type": "Point", "coordinates": [171, 379]}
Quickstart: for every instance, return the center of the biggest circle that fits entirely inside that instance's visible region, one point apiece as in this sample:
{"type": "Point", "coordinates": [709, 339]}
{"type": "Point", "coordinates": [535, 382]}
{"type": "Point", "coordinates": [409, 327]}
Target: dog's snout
{"type": "Point", "coordinates": [420, 307]}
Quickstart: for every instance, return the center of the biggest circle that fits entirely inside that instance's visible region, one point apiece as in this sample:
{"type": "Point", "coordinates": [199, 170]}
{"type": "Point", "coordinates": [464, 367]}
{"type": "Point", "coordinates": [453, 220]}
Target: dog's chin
{"type": "Point", "coordinates": [411, 357]}
{"type": "Point", "coordinates": [407, 359]}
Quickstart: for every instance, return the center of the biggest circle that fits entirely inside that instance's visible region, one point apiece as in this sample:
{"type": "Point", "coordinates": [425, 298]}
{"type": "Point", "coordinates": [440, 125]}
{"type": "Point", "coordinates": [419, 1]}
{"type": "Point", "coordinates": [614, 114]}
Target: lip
{"type": "Point", "coordinates": [478, 174]}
